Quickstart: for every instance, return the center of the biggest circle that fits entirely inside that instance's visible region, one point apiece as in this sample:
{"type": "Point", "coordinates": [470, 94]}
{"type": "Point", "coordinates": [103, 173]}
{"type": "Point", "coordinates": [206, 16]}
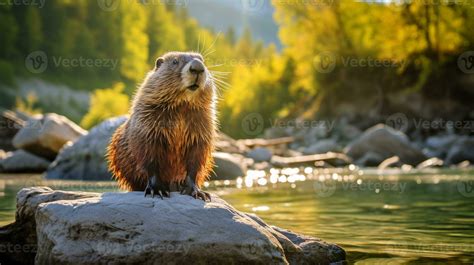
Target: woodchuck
{"type": "Point", "coordinates": [167, 142]}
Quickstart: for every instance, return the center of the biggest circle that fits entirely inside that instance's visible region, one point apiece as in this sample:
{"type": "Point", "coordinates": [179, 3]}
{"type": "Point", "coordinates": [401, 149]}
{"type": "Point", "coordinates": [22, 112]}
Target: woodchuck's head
{"type": "Point", "coordinates": [178, 77]}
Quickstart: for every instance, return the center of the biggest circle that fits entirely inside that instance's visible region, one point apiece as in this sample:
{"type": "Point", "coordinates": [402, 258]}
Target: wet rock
{"type": "Point", "coordinates": [45, 135]}
{"type": "Point", "coordinates": [322, 147]}
{"type": "Point", "coordinates": [461, 150]}
{"type": "Point", "coordinates": [384, 142]}
{"type": "Point", "coordinates": [85, 159]}
{"type": "Point", "coordinates": [126, 228]}
{"type": "Point", "coordinates": [260, 154]}
{"type": "Point", "coordinates": [228, 166]}
{"type": "Point", "coordinates": [21, 161]}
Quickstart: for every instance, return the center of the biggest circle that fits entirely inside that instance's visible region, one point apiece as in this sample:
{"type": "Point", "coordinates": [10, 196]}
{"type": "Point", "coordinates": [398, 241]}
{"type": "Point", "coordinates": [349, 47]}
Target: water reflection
{"type": "Point", "coordinates": [388, 217]}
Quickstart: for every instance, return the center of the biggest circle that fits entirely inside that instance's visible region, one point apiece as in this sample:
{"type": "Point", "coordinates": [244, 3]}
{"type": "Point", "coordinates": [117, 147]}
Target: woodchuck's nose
{"type": "Point", "coordinates": [196, 67]}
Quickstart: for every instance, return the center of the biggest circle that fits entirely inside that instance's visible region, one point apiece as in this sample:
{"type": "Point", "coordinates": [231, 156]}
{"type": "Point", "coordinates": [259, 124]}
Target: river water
{"type": "Point", "coordinates": [377, 217]}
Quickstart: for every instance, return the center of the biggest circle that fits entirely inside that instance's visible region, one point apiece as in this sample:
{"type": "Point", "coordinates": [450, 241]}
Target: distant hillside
{"type": "Point", "coordinates": [222, 14]}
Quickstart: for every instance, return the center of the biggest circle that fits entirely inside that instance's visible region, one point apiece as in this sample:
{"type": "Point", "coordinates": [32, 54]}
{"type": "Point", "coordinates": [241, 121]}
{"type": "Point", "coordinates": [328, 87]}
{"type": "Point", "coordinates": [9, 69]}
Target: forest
{"type": "Point", "coordinates": [338, 57]}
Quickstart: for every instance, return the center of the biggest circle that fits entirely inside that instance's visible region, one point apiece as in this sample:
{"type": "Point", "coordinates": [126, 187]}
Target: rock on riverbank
{"type": "Point", "coordinates": [123, 228]}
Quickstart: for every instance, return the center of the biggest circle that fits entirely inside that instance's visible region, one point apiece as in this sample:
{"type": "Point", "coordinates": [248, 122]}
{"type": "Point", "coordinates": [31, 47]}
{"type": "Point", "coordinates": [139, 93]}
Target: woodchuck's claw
{"type": "Point", "coordinates": [196, 193]}
{"type": "Point", "coordinates": [153, 186]}
{"type": "Point", "coordinates": [149, 190]}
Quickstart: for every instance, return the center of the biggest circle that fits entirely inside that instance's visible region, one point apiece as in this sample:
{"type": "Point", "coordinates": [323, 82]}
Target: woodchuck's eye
{"type": "Point", "coordinates": [175, 61]}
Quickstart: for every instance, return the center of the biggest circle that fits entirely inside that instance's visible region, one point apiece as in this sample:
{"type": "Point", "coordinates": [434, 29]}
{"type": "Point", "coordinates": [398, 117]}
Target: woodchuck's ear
{"type": "Point", "coordinates": [158, 63]}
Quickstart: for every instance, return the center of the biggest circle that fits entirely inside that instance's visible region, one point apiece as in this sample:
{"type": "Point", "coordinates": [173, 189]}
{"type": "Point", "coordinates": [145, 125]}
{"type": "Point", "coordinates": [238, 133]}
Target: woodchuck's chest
{"type": "Point", "coordinates": [169, 134]}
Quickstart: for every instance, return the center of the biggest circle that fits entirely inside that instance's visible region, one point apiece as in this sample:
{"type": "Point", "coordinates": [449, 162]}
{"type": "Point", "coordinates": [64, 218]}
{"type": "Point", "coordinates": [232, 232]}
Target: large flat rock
{"type": "Point", "coordinates": [126, 228]}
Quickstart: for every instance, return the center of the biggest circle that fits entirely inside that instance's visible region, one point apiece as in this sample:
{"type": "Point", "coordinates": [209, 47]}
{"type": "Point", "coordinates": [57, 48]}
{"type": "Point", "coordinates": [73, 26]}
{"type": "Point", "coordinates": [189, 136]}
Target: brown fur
{"type": "Point", "coordinates": [170, 131]}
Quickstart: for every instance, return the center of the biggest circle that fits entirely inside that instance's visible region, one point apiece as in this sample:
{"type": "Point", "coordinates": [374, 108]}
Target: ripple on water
{"type": "Point", "coordinates": [430, 221]}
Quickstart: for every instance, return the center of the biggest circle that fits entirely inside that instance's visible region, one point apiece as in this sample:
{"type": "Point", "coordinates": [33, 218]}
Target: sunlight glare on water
{"type": "Point", "coordinates": [377, 218]}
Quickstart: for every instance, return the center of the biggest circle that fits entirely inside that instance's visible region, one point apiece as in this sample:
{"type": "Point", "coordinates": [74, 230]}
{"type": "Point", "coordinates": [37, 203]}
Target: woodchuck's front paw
{"type": "Point", "coordinates": [155, 185]}
{"type": "Point", "coordinates": [192, 190]}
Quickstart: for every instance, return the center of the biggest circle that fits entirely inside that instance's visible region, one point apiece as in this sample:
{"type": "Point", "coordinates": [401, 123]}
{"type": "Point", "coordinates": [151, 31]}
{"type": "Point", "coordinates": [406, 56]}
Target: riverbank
{"type": "Point", "coordinates": [53, 144]}
{"type": "Point", "coordinates": [373, 227]}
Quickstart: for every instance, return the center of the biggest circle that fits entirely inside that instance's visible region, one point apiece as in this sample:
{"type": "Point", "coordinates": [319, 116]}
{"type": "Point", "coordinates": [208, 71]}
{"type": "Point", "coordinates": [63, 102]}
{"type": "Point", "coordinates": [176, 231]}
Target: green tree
{"type": "Point", "coordinates": [134, 56]}
{"type": "Point", "coordinates": [164, 34]}
{"type": "Point", "coordinates": [106, 103]}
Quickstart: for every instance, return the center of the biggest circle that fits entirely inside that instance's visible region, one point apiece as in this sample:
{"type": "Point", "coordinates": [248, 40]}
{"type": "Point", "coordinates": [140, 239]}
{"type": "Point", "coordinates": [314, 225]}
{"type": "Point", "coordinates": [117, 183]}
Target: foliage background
{"type": "Point", "coordinates": [423, 40]}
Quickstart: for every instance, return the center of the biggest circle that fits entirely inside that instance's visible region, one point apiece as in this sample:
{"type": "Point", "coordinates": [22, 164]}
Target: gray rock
{"type": "Point", "coordinates": [385, 142]}
{"type": "Point", "coordinates": [461, 150]}
{"type": "Point", "coordinates": [369, 159]}
{"type": "Point", "coordinates": [441, 141]}
{"type": "Point", "coordinates": [350, 132]}
{"type": "Point", "coordinates": [322, 147]}
{"type": "Point", "coordinates": [23, 162]}
{"type": "Point", "coordinates": [439, 145]}
{"type": "Point", "coordinates": [23, 231]}
{"type": "Point", "coordinates": [275, 132]}
{"type": "Point", "coordinates": [85, 159]}
{"type": "Point", "coordinates": [126, 228]}
{"type": "Point", "coordinates": [260, 154]}
{"type": "Point", "coordinates": [228, 166]}
{"type": "Point", "coordinates": [45, 135]}
{"type": "Point", "coordinates": [312, 134]}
